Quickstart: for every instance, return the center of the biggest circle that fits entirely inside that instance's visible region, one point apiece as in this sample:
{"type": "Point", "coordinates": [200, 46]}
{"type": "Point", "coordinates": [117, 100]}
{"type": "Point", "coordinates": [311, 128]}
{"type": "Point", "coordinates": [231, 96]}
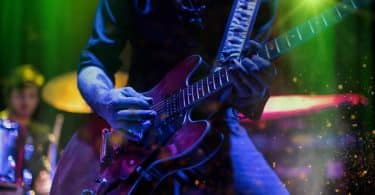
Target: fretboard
{"type": "Point", "coordinates": [306, 31]}
{"type": "Point", "coordinates": [204, 87]}
{"type": "Point", "coordinates": [194, 93]}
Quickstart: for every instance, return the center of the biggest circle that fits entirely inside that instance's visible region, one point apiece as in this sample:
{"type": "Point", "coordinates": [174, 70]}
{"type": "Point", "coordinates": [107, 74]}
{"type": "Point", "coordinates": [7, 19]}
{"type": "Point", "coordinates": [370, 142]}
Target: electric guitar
{"type": "Point", "coordinates": [176, 142]}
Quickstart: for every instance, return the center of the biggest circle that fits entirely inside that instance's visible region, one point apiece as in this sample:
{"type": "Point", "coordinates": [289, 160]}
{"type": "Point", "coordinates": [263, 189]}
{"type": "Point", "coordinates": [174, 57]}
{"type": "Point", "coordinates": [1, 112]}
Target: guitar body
{"type": "Point", "coordinates": [140, 168]}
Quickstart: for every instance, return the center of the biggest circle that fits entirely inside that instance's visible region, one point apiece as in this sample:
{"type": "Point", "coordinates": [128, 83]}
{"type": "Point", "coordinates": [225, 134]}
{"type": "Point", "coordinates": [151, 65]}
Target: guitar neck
{"type": "Point", "coordinates": [205, 87]}
{"type": "Point", "coordinates": [209, 85]}
{"type": "Point", "coordinates": [306, 31]}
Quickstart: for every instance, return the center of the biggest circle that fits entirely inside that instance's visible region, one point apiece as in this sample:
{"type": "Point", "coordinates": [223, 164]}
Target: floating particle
{"type": "Point", "coordinates": [363, 173]}
{"type": "Point", "coordinates": [340, 86]}
{"type": "Point", "coordinates": [364, 65]}
{"type": "Point", "coordinates": [372, 93]}
{"type": "Point", "coordinates": [273, 164]}
{"type": "Point", "coordinates": [328, 124]}
{"type": "Point", "coordinates": [337, 190]}
{"type": "Point", "coordinates": [354, 125]}
{"type": "Point", "coordinates": [309, 166]}
{"type": "Point", "coordinates": [352, 116]}
{"type": "Point", "coordinates": [373, 131]}
{"type": "Point", "coordinates": [355, 156]}
{"type": "Point", "coordinates": [295, 79]}
{"type": "Point", "coordinates": [300, 147]}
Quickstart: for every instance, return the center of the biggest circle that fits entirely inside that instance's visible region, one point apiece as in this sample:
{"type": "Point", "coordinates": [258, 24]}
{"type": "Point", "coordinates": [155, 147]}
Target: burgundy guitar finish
{"type": "Point", "coordinates": [137, 168]}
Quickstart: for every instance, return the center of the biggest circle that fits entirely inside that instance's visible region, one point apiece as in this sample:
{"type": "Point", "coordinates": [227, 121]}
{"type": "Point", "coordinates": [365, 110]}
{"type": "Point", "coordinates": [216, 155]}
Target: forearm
{"type": "Point", "coordinates": [93, 82]}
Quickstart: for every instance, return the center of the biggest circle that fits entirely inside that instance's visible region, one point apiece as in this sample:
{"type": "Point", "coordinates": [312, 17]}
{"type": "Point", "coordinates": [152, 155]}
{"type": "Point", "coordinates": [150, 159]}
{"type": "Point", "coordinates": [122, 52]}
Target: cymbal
{"type": "Point", "coordinates": [62, 92]}
{"type": "Point", "coordinates": [295, 105]}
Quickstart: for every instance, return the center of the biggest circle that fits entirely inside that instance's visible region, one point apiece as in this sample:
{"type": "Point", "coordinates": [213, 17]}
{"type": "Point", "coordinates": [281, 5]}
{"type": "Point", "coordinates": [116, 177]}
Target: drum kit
{"type": "Point", "coordinates": [62, 94]}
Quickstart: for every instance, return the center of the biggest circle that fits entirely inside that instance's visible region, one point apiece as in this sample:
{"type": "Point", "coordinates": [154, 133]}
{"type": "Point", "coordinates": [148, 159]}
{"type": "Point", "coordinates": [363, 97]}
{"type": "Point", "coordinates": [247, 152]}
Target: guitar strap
{"type": "Point", "coordinates": [239, 27]}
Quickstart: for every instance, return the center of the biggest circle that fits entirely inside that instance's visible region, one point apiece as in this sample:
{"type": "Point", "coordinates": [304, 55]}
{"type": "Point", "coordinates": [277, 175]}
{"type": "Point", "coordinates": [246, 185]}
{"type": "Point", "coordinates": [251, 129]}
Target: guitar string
{"type": "Point", "coordinates": [161, 104]}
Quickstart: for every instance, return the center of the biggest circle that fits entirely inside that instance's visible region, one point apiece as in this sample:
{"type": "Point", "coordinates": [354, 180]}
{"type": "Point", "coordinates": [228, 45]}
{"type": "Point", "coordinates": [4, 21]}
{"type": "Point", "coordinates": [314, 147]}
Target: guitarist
{"type": "Point", "coordinates": [161, 34]}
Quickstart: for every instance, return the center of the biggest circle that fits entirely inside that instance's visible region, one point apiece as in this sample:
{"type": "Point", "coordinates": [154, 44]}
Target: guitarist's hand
{"type": "Point", "coordinates": [251, 84]}
{"type": "Point", "coordinates": [127, 110]}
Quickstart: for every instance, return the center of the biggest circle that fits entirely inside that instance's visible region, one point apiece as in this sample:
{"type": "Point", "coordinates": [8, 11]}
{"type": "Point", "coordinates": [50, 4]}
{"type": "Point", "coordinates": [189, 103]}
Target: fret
{"type": "Point", "coordinates": [272, 48]}
{"type": "Point", "coordinates": [267, 52]}
{"type": "Point", "coordinates": [307, 31]}
{"type": "Point", "coordinates": [299, 33]}
{"type": "Point", "coordinates": [197, 89]}
{"type": "Point", "coordinates": [287, 40]}
{"type": "Point", "coordinates": [282, 44]}
{"type": "Point", "coordinates": [343, 10]}
{"type": "Point", "coordinates": [212, 83]}
{"type": "Point", "coordinates": [192, 93]}
{"type": "Point", "coordinates": [338, 12]}
{"type": "Point", "coordinates": [223, 76]}
{"type": "Point", "coordinates": [226, 74]}
{"type": "Point", "coordinates": [183, 98]}
{"type": "Point", "coordinates": [208, 86]}
{"type": "Point", "coordinates": [311, 27]}
{"type": "Point", "coordinates": [324, 20]}
{"type": "Point", "coordinates": [353, 4]}
{"type": "Point", "coordinates": [213, 80]}
{"type": "Point", "coordinates": [319, 24]}
{"type": "Point", "coordinates": [219, 76]}
{"type": "Point", "coordinates": [188, 95]}
{"type": "Point", "coordinates": [277, 45]}
{"type": "Point", "coordinates": [217, 80]}
{"type": "Point", "coordinates": [201, 81]}
{"type": "Point", "coordinates": [293, 37]}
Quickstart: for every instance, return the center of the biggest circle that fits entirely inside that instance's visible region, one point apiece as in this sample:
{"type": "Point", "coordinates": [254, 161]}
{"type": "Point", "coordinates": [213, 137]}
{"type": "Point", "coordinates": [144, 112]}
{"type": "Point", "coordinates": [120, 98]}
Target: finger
{"type": "Point", "coordinates": [130, 102]}
{"type": "Point", "coordinates": [135, 115]}
{"type": "Point", "coordinates": [137, 126]}
{"type": "Point", "coordinates": [268, 73]}
{"type": "Point", "coordinates": [259, 82]}
{"type": "Point", "coordinates": [249, 65]}
{"type": "Point", "coordinates": [255, 44]}
{"type": "Point", "coordinates": [129, 91]}
{"type": "Point", "coordinates": [261, 62]}
{"type": "Point", "coordinates": [124, 124]}
{"type": "Point", "coordinates": [237, 65]}
{"type": "Point", "coordinates": [252, 83]}
{"type": "Point", "coordinates": [135, 130]}
{"type": "Point", "coordinates": [243, 85]}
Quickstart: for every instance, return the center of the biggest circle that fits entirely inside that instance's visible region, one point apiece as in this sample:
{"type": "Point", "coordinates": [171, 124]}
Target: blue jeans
{"type": "Point", "coordinates": [251, 172]}
{"type": "Point", "coordinates": [238, 168]}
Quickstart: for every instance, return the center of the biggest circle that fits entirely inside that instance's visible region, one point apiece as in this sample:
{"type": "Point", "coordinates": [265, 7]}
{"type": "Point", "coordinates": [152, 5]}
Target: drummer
{"type": "Point", "coordinates": [22, 95]}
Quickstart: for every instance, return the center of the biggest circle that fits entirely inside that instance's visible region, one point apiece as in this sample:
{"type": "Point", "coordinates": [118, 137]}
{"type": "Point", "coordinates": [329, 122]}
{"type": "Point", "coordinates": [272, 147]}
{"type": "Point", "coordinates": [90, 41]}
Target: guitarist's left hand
{"type": "Point", "coordinates": [251, 84]}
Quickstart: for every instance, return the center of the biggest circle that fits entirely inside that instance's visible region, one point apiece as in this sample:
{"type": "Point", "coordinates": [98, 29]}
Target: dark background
{"type": "Point", "coordinates": [50, 35]}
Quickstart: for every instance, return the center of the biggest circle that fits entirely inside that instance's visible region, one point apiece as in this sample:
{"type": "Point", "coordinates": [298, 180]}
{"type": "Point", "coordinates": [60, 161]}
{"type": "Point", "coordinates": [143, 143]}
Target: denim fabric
{"type": "Point", "coordinates": [251, 172]}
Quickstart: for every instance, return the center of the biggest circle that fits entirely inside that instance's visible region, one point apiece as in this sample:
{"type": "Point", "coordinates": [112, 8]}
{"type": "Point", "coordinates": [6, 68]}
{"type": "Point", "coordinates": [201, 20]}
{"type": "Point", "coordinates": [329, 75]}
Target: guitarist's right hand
{"type": "Point", "coordinates": [123, 108]}
{"type": "Point", "coordinates": [127, 110]}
